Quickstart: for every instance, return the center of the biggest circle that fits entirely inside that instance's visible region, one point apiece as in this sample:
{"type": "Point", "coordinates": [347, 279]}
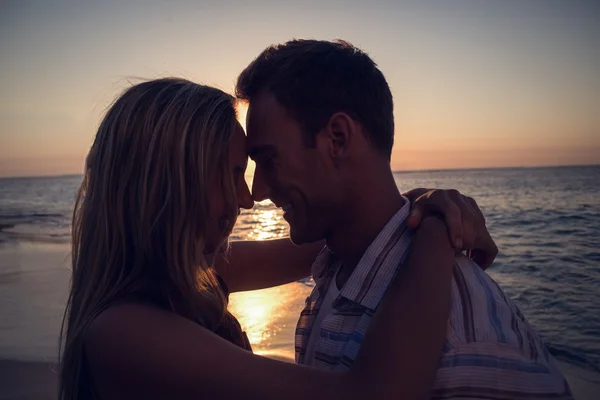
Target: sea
{"type": "Point", "coordinates": [545, 221]}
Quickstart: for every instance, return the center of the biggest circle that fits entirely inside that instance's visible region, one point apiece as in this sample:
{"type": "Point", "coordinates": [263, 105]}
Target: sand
{"type": "Point", "coordinates": [27, 380]}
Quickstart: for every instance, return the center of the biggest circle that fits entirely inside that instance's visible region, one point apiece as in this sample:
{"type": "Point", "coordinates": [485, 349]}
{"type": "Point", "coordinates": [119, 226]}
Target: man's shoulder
{"type": "Point", "coordinates": [471, 285]}
{"type": "Point", "coordinates": [479, 302]}
{"type": "Point", "coordinates": [482, 312]}
{"type": "Point", "coordinates": [491, 350]}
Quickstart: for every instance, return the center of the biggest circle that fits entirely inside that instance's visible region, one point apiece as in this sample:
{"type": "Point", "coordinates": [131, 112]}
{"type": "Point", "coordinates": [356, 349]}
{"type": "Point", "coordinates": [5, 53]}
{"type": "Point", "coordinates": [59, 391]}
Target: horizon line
{"type": "Point", "coordinates": [394, 171]}
{"type": "Point", "coordinates": [499, 167]}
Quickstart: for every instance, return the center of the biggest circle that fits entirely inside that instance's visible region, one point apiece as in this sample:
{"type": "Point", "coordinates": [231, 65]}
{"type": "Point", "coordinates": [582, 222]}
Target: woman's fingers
{"type": "Point", "coordinates": [439, 202]}
{"type": "Point", "coordinates": [414, 194]}
{"type": "Point", "coordinates": [463, 217]}
{"type": "Point", "coordinates": [471, 222]}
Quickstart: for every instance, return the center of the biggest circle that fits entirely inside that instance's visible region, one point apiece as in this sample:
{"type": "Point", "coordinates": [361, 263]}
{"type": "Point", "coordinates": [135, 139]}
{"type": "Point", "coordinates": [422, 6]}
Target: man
{"type": "Point", "coordinates": [320, 128]}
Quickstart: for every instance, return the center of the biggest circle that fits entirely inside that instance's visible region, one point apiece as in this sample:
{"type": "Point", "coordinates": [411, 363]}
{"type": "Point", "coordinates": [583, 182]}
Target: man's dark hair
{"type": "Point", "coordinates": [313, 79]}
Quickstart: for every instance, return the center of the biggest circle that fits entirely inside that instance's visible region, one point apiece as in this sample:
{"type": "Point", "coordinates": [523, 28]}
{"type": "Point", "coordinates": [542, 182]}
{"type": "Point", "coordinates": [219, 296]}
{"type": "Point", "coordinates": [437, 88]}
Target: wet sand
{"type": "Point", "coordinates": [21, 380]}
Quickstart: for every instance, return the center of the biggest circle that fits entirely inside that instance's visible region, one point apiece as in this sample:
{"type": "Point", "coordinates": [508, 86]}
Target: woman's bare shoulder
{"type": "Point", "coordinates": [131, 343]}
{"type": "Point", "coordinates": [124, 319]}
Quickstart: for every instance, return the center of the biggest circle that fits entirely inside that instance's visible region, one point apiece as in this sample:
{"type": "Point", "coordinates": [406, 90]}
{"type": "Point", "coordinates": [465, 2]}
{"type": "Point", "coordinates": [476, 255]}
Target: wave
{"type": "Point", "coordinates": [574, 356]}
{"type": "Point", "coordinates": [35, 227]}
{"type": "Point", "coordinates": [31, 215]}
{"type": "Point", "coordinates": [5, 226]}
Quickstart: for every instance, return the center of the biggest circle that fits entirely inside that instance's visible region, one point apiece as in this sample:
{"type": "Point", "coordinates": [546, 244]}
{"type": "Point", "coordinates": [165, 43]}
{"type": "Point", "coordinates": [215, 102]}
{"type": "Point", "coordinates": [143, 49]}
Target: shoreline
{"type": "Point", "coordinates": [515, 166]}
{"type": "Point", "coordinates": [24, 380]}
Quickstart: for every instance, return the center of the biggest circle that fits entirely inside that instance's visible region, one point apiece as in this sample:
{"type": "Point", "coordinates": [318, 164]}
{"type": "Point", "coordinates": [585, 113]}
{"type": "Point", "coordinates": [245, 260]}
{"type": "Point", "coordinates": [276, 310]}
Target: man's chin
{"type": "Point", "coordinates": [299, 237]}
{"type": "Point", "coordinates": [297, 241]}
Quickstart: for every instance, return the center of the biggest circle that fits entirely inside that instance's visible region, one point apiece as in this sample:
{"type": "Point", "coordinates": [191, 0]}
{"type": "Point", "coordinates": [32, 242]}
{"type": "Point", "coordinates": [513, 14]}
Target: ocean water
{"type": "Point", "coordinates": [545, 221]}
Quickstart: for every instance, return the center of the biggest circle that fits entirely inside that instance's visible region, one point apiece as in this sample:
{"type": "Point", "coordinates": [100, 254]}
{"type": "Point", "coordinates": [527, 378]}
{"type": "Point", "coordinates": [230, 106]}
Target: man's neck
{"type": "Point", "coordinates": [368, 212]}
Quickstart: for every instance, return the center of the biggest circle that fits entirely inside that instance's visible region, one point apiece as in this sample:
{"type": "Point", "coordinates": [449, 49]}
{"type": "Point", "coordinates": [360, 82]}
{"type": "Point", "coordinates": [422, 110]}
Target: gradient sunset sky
{"type": "Point", "coordinates": [475, 83]}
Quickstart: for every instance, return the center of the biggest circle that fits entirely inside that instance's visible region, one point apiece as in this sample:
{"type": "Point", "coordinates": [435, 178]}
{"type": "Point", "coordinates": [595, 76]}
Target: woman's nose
{"type": "Point", "coordinates": [244, 197]}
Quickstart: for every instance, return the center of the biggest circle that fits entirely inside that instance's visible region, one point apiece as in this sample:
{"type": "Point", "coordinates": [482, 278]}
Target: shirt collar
{"type": "Point", "coordinates": [377, 266]}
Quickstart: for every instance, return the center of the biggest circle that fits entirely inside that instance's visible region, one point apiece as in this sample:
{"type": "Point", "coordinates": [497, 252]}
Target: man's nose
{"type": "Point", "coordinates": [260, 188]}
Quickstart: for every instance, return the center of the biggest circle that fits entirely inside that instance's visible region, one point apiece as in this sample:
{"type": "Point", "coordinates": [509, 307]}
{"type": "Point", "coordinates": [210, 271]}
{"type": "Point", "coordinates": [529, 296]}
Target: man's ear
{"type": "Point", "coordinates": [340, 130]}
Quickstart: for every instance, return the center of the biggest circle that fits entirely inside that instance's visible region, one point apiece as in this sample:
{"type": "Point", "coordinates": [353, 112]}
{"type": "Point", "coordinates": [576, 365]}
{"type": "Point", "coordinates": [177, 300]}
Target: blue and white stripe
{"type": "Point", "coordinates": [490, 352]}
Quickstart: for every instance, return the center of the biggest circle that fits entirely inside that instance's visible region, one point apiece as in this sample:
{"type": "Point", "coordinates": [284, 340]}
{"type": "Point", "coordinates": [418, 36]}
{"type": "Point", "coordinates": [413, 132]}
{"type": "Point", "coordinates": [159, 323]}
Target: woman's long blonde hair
{"type": "Point", "coordinates": [141, 214]}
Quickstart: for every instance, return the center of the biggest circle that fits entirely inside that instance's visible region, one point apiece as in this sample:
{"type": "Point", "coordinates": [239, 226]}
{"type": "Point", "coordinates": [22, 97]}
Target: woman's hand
{"type": "Point", "coordinates": [465, 221]}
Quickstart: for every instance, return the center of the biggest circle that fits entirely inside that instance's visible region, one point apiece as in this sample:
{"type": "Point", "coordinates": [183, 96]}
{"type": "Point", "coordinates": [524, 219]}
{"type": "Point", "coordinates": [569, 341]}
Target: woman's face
{"type": "Point", "coordinates": [220, 224]}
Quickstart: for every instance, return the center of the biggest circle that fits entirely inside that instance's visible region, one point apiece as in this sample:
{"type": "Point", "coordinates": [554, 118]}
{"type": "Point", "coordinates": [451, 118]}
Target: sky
{"type": "Point", "coordinates": [475, 83]}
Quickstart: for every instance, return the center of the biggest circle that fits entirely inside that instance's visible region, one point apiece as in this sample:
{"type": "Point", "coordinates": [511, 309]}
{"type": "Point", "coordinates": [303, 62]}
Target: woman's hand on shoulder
{"type": "Point", "coordinates": [465, 221]}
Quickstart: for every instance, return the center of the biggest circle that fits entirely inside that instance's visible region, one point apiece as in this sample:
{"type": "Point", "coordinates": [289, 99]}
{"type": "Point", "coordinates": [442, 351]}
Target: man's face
{"type": "Point", "coordinates": [299, 179]}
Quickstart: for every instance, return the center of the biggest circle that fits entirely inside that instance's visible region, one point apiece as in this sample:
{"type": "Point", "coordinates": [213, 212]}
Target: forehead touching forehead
{"type": "Point", "coordinates": [238, 154]}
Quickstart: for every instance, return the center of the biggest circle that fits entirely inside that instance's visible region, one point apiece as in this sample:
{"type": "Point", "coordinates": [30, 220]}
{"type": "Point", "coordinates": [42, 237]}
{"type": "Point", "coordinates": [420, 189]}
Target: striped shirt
{"type": "Point", "coordinates": [490, 351]}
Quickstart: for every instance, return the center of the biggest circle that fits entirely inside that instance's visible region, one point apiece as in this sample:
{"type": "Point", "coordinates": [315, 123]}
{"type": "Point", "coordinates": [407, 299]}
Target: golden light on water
{"type": "Point", "coordinates": [268, 225]}
{"type": "Point", "coordinates": [256, 311]}
{"type": "Point", "coordinates": [269, 317]}
{"type": "Point", "coordinates": [263, 222]}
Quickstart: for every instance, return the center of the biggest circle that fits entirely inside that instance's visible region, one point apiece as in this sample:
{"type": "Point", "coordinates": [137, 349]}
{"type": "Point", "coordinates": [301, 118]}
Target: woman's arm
{"type": "Point", "coordinates": [252, 265]}
{"type": "Point", "coordinates": [135, 351]}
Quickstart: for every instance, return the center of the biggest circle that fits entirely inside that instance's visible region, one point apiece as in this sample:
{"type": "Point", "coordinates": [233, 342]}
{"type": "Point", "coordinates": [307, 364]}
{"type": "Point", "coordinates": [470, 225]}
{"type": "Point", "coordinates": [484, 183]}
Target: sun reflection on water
{"type": "Point", "coordinates": [256, 310]}
{"type": "Point", "coordinates": [268, 225]}
{"type": "Point", "coordinates": [263, 222]}
{"type": "Point", "coordinates": [268, 316]}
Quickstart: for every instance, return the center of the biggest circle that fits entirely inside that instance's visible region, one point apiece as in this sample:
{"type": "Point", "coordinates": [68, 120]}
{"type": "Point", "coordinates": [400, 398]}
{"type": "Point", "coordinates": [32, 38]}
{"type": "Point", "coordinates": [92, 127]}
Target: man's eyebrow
{"type": "Point", "coordinates": [259, 150]}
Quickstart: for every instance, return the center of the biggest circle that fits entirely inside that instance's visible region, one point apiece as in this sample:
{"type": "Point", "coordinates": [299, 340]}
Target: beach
{"type": "Point", "coordinates": [29, 371]}
{"type": "Point", "coordinates": [548, 263]}
{"type": "Point", "coordinates": [21, 380]}
{"type": "Point", "coordinates": [153, 115]}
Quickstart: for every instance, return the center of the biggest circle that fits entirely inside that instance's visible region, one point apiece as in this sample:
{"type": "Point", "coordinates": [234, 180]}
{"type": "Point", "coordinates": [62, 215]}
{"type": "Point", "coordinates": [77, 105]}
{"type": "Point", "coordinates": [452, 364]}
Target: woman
{"type": "Point", "coordinates": [146, 316]}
